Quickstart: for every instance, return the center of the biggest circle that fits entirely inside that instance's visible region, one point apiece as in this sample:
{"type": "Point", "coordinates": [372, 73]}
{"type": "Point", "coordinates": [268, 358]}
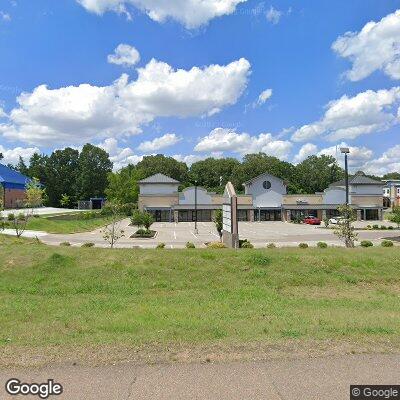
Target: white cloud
{"type": "Point", "coordinates": [221, 139]}
{"type": "Point", "coordinates": [357, 157]}
{"type": "Point", "coordinates": [124, 55]}
{"type": "Point", "coordinates": [388, 162]}
{"type": "Point", "coordinates": [2, 113]}
{"type": "Point", "coordinates": [5, 17]}
{"type": "Point", "coordinates": [190, 13]}
{"type": "Point", "coordinates": [350, 117]}
{"type": "Point", "coordinates": [120, 156]}
{"type": "Point", "coordinates": [263, 97]}
{"type": "Point", "coordinates": [159, 143]}
{"type": "Point", "coordinates": [375, 47]}
{"type": "Point", "coordinates": [306, 151]}
{"type": "Point", "coordinates": [11, 156]}
{"type": "Point", "coordinates": [85, 113]}
{"type": "Point", "coordinates": [273, 15]}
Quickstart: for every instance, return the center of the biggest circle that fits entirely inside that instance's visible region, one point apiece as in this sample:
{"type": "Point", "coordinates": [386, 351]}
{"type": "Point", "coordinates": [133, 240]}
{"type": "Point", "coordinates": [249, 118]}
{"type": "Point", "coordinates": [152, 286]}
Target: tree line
{"type": "Point", "coordinates": [70, 175]}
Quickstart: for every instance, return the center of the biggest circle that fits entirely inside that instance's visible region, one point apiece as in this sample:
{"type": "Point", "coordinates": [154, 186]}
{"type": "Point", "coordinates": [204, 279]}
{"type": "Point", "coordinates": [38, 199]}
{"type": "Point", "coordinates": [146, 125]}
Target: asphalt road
{"type": "Point", "coordinates": [259, 233]}
{"type": "Point", "coordinates": [303, 379]}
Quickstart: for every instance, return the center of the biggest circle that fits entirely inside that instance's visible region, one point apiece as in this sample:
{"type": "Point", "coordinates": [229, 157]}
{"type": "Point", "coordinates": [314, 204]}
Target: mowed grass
{"type": "Point", "coordinates": [66, 224]}
{"type": "Point", "coordinates": [85, 297]}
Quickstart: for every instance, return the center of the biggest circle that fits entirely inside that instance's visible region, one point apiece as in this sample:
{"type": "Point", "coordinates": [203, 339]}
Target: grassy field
{"type": "Point", "coordinates": [97, 297]}
{"type": "Point", "coordinates": [65, 224]}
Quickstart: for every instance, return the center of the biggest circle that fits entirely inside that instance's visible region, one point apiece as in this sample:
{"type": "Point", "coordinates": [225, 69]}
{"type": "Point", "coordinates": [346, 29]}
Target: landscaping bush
{"type": "Point", "coordinates": [143, 233]}
{"type": "Point", "coordinates": [369, 227]}
{"type": "Point", "coordinates": [383, 227]}
{"type": "Point", "coordinates": [366, 243]}
{"type": "Point", "coordinates": [216, 245]}
{"type": "Point", "coordinates": [271, 246]}
{"type": "Point", "coordinates": [65, 244]}
{"type": "Point", "coordinates": [246, 245]}
{"type": "Point", "coordinates": [303, 246]}
{"type": "Point", "coordinates": [190, 245]}
{"type": "Point", "coordinates": [160, 246]}
{"type": "Point", "coordinates": [322, 245]}
{"type": "Point", "coordinates": [387, 243]}
{"type": "Point", "coordinates": [375, 226]}
{"type": "Point", "coordinates": [391, 228]}
{"type": "Point", "coordinates": [86, 215]}
{"type": "Point", "coordinates": [87, 245]}
{"type": "Point", "coordinates": [11, 217]}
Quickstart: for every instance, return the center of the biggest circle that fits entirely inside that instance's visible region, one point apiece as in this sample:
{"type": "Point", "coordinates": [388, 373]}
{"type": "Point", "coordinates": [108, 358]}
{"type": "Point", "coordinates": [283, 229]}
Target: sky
{"type": "Point", "coordinates": [198, 78]}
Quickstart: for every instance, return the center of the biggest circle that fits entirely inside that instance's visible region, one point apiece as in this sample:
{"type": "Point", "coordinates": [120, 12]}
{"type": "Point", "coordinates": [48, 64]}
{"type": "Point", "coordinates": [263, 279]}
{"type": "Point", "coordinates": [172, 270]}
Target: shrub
{"type": "Point", "coordinates": [216, 245]}
{"type": "Point", "coordinates": [271, 246]}
{"type": "Point", "coordinates": [387, 243]}
{"type": "Point", "coordinates": [391, 228]}
{"type": "Point", "coordinates": [369, 227]}
{"type": "Point", "coordinates": [160, 246]}
{"type": "Point", "coordinates": [383, 227]}
{"type": "Point", "coordinates": [86, 215]}
{"type": "Point", "coordinates": [88, 245]}
{"type": "Point", "coordinates": [303, 246]}
{"type": "Point", "coordinates": [322, 245]}
{"type": "Point", "coordinates": [375, 226]}
{"type": "Point", "coordinates": [190, 245]}
{"type": "Point", "coordinates": [247, 245]}
{"type": "Point", "coordinates": [65, 244]}
{"type": "Point", "coordinates": [11, 217]}
{"type": "Point", "coordinates": [128, 209]}
{"type": "Point", "coordinates": [366, 243]}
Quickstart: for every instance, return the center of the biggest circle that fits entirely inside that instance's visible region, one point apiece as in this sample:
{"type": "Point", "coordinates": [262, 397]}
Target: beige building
{"type": "Point", "coordinates": [265, 199]}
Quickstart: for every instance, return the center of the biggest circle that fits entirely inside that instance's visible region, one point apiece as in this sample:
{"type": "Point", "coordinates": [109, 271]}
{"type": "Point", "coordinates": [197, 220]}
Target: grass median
{"type": "Point", "coordinates": [136, 298]}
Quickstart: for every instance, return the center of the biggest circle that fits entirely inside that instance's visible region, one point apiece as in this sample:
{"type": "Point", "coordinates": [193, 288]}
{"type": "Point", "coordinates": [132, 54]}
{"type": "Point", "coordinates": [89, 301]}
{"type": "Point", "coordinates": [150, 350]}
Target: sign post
{"type": "Point", "coordinates": [230, 232]}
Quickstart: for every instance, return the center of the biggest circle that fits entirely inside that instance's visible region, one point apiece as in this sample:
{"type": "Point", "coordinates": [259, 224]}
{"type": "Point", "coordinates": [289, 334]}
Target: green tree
{"type": "Point", "coordinates": [391, 175]}
{"type": "Point", "coordinates": [395, 217]}
{"type": "Point", "coordinates": [94, 165]}
{"type": "Point", "coordinates": [61, 173]}
{"type": "Point", "coordinates": [113, 232]}
{"type": "Point", "coordinates": [151, 165]}
{"type": "Point", "coordinates": [345, 230]}
{"type": "Point", "coordinates": [316, 173]}
{"type": "Point", "coordinates": [37, 167]}
{"type": "Point", "coordinates": [22, 167]}
{"type": "Point", "coordinates": [208, 173]}
{"type": "Point", "coordinates": [218, 221]}
{"type": "Point", "coordinates": [123, 185]}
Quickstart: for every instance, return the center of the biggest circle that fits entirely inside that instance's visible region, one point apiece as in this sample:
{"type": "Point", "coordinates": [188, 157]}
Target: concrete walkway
{"type": "Point", "coordinates": [304, 379]}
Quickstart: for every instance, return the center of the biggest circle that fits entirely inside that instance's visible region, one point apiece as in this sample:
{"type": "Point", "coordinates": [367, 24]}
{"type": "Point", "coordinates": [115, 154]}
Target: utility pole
{"type": "Point", "coordinates": [346, 151]}
{"type": "Point", "coordinates": [196, 232]}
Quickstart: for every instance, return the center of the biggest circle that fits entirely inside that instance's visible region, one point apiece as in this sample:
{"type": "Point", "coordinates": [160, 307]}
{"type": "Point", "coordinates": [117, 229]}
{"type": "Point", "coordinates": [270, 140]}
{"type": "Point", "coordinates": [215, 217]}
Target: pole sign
{"type": "Point", "coordinates": [230, 232]}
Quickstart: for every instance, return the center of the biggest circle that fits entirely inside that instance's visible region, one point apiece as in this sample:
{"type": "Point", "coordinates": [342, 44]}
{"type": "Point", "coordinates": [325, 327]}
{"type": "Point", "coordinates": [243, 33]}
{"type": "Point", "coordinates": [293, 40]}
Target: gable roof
{"type": "Point", "coordinates": [358, 179]}
{"type": "Point", "coordinates": [8, 175]}
{"type": "Point", "coordinates": [159, 178]}
{"type": "Point", "coordinates": [259, 176]}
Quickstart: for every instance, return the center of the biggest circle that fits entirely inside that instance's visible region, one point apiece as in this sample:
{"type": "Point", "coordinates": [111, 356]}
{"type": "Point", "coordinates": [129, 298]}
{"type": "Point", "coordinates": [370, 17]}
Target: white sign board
{"type": "Point", "coordinates": [227, 217]}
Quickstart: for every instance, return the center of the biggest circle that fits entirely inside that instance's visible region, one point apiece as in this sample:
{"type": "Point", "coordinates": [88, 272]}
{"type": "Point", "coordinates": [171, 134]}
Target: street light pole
{"type": "Point", "coordinates": [346, 151]}
{"type": "Point", "coordinates": [195, 209]}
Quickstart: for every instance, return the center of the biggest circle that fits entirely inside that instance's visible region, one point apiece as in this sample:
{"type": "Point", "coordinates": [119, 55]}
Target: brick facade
{"type": "Point", "coordinates": [13, 198]}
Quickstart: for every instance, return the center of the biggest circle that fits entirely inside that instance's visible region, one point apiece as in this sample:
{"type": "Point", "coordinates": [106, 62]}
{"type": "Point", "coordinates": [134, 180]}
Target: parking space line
{"type": "Point", "coordinates": [174, 235]}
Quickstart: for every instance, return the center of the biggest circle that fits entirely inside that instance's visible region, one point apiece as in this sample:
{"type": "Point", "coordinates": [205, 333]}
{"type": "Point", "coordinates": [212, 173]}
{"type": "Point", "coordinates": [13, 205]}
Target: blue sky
{"type": "Point", "coordinates": [200, 94]}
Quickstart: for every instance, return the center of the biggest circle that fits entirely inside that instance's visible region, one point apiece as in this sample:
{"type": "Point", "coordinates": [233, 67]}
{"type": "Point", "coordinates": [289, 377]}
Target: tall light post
{"type": "Point", "coordinates": [346, 151]}
{"type": "Point", "coordinates": [195, 208]}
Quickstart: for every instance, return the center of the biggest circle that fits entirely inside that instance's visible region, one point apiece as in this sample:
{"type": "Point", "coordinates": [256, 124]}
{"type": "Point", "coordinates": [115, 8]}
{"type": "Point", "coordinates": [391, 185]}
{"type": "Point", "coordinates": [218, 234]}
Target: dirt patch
{"type": "Point", "coordinates": [110, 355]}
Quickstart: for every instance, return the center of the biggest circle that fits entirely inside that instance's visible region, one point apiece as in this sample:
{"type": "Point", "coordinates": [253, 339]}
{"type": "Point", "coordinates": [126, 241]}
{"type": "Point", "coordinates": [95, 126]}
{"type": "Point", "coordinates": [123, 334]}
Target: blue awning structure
{"type": "Point", "coordinates": [11, 179]}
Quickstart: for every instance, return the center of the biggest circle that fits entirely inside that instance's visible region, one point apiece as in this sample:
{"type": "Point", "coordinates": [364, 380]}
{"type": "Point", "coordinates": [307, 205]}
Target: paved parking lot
{"type": "Point", "coordinates": [176, 235]}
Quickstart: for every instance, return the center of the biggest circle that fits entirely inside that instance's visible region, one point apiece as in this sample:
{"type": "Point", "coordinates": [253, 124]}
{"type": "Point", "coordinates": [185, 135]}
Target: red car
{"type": "Point", "coordinates": [312, 221]}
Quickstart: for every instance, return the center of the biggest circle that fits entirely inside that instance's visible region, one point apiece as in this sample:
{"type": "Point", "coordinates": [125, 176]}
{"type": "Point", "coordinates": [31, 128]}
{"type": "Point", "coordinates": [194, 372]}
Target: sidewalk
{"type": "Point", "coordinates": [304, 379]}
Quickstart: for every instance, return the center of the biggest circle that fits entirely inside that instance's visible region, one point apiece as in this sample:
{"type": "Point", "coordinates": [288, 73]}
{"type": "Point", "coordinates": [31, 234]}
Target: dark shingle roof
{"type": "Point", "coordinates": [159, 178]}
{"type": "Point", "coordinates": [8, 175]}
{"type": "Point", "coordinates": [358, 179]}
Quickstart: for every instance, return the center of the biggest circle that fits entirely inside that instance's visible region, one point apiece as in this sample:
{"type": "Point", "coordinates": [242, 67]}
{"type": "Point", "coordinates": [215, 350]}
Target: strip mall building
{"type": "Point", "coordinates": [265, 199]}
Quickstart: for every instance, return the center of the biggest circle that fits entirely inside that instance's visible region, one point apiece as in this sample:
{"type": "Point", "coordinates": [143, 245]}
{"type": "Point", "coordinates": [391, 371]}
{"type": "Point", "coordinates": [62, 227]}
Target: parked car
{"type": "Point", "coordinates": [310, 220]}
{"type": "Point", "coordinates": [336, 220]}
